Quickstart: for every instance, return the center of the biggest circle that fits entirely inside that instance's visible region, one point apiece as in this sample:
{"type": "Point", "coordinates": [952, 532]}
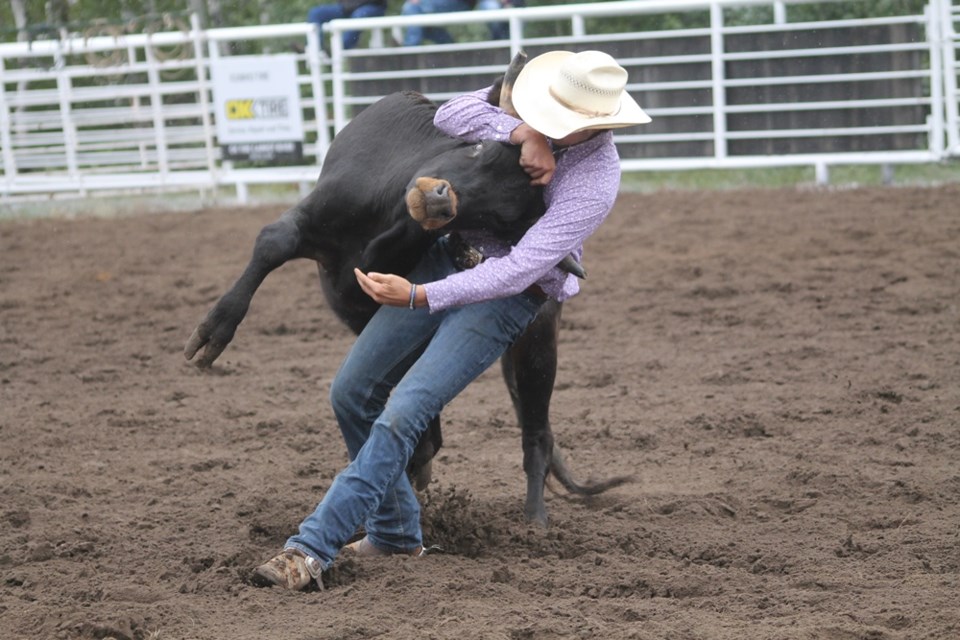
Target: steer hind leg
{"type": "Point", "coordinates": [529, 369]}
{"type": "Point", "coordinates": [420, 467]}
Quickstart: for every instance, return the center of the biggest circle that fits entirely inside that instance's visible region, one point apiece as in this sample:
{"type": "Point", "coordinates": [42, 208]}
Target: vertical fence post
{"type": "Point", "coordinates": [935, 137]}
{"type": "Point", "coordinates": [156, 108]}
{"type": "Point", "coordinates": [65, 94]}
{"type": "Point", "coordinates": [821, 172]}
{"type": "Point", "coordinates": [779, 12]}
{"type": "Point", "coordinates": [314, 61]}
{"type": "Point", "coordinates": [243, 195]}
{"type": "Point", "coordinates": [577, 28]}
{"type": "Point", "coordinates": [719, 81]}
{"type": "Point", "coordinates": [201, 68]}
{"type": "Point", "coordinates": [516, 36]}
{"type": "Point", "coordinates": [6, 140]}
{"type": "Point", "coordinates": [336, 72]}
{"type": "Point", "coordinates": [948, 51]}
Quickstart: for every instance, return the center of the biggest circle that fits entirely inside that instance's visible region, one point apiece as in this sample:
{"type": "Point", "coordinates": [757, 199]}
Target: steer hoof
{"type": "Point", "coordinates": [194, 342]}
{"type": "Point", "coordinates": [536, 516]}
{"type": "Point", "coordinates": [421, 475]}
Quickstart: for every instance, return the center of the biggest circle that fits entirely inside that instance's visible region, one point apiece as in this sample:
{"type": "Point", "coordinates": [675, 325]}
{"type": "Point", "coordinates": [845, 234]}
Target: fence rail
{"type": "Point", "coordinates": [130, 108]}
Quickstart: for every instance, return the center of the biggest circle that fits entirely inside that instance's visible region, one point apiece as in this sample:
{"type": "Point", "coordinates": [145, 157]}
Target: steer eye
{"type": "Point", "coordinates": [476, 150]}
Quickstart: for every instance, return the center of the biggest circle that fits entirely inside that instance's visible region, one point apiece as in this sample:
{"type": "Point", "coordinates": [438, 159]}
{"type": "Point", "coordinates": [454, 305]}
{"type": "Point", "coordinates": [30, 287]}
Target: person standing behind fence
{"type": "Point", "coordinates": [346, 9]}
{"type": "Point", "coordinates": [415, 35]}
{"type": "Point", "coordinates": [499, 30]}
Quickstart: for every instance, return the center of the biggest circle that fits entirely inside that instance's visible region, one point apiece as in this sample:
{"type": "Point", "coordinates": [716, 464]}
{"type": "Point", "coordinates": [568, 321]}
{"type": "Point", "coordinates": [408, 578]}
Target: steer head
{"type": "Point", "coordinates": [475, 186]}
{"type": "Point", "coordinates": [478, 185]}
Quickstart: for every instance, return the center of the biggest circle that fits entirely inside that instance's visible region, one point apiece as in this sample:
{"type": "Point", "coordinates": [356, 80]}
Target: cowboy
{"type": "Point", "coordinates": [443, 325]}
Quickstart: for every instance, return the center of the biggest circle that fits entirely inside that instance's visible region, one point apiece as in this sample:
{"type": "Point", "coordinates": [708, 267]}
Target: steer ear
{"type": "Point", "coordinates": [506, 89]}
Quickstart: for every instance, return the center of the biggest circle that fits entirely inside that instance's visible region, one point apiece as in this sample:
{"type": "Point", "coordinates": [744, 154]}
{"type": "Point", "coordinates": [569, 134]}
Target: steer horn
{"type": "Point", "coordinates": [509, 78]}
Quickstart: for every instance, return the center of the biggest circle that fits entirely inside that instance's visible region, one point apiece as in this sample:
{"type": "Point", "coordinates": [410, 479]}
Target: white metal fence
{"type": "Point", "coordinates": [948, 35]}
{"type": "Point", "coordinates": [129, 107]}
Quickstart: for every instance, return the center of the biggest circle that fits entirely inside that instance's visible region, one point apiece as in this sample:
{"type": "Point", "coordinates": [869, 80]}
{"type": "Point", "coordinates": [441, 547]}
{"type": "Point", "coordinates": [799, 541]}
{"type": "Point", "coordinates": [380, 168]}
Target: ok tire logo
{"type": "Point", "coordinates": [258, 109]}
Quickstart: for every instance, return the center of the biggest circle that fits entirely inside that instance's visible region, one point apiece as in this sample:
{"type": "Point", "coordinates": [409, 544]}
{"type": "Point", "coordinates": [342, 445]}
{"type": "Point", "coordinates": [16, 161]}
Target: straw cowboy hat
{"type": "Point", "coordinates": [561, 92]}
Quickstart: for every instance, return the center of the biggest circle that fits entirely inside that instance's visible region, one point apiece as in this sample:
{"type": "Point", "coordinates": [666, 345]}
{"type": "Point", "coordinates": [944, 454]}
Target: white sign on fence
{"type": "Point", "coordinates": [257, 107]}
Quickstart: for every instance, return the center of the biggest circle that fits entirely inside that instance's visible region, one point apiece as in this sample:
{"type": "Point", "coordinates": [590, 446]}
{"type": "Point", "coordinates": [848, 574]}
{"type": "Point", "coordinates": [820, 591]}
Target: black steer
{"type": "Point", "coordinates": [389, 179]}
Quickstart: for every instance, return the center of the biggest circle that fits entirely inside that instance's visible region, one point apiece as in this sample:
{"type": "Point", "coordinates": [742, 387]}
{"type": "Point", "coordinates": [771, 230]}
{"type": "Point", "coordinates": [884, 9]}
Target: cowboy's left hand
{"type": "Point", "coordinates": [385, 288]}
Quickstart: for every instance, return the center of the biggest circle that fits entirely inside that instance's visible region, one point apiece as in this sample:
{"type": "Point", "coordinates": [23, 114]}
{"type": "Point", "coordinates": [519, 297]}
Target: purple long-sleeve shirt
{"type": "Point", "coordinates": [578, 198]}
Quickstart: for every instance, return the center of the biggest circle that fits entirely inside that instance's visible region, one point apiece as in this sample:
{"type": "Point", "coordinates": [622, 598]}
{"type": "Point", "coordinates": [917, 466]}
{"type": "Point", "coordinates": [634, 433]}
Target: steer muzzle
{"type": "Point", "coordinates": [432, 202]}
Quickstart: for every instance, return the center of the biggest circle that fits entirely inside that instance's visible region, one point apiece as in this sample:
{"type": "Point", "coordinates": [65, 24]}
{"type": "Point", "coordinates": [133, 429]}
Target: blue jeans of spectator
{"type": "Point", "coordinates": [498, 30]}
{"type": "Point", "coordinates": [416, 35]}
{"type": "Point", "coordinates": [426, 359]}
{"type": "Point", "coordinates": [327, 12]}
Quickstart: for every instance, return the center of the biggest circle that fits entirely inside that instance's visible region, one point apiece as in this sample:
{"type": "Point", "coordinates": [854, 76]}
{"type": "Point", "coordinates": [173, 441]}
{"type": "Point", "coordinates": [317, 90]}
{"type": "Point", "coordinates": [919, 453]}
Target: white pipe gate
{"type": "Point", "coordinates": [128, 108]}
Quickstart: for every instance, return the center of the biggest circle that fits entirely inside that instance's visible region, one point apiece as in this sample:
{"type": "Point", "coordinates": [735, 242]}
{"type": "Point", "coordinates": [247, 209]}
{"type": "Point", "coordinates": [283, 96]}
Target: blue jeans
{"type": "Point", "coordinates": [327, 12]}
{"type": "Point", "coordinates": [426, 359]}
{"type": "Point", "coordinates": [498, 30]}
{"type": "Point", "coordinates": [416, 35]}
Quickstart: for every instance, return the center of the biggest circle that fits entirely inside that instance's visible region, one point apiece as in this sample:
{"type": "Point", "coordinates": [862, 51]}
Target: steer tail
{"type": "Point", "coordinates": [560, 471]}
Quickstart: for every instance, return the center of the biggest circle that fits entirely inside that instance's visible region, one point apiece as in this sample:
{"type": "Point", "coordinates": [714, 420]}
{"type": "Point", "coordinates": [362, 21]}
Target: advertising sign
{"type": "Point", "coordinates": [257, 108]}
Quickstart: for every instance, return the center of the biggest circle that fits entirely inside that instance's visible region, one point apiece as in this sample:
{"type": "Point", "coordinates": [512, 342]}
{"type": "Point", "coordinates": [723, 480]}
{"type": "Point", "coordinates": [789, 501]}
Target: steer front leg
{"type": "Point", "coordinates": [276, 244]}
{"type": "Point", "coordinates": [529, 369]}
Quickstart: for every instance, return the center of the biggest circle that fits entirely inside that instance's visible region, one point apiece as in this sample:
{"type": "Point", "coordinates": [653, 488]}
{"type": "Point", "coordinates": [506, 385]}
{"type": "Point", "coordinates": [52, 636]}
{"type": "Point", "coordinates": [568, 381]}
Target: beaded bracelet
{"type": "Point", "coordinates": [413, 295]}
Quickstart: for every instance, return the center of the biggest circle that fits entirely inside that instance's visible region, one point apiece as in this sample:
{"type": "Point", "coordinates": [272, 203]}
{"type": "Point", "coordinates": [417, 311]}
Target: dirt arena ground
{"type": "Point", "coordinates": [779, 369]}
